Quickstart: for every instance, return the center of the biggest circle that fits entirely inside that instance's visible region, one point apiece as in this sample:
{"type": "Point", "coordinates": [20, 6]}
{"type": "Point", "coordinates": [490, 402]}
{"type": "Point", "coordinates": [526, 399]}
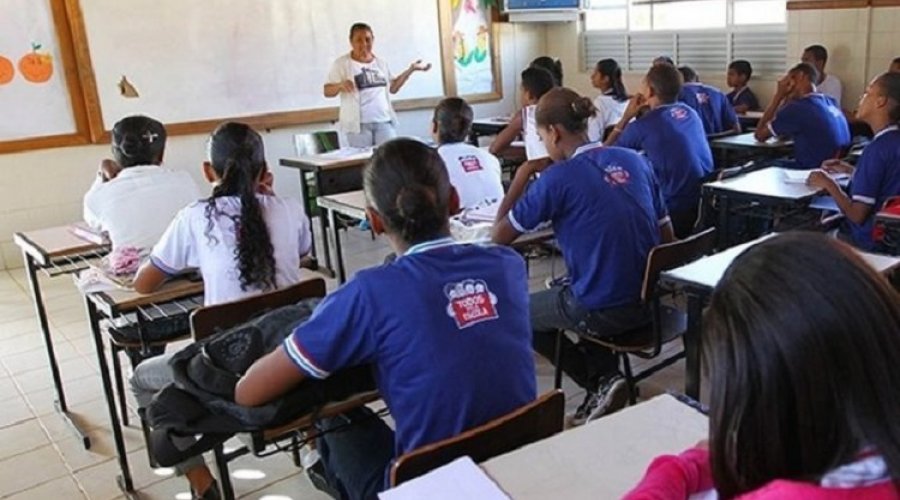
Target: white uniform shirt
{"type": "Point", "coordinates": [831, 86]}
{"type": "Point", "coordinates": [609, 112]}
{"type": "Point", "coordinates": [136, 207]}
{"type": "Point", "coordinates": [187, 244]}
{"type": "Point", "coordinates": [474, 172]}
{"type": "Point", "coordinates": [534, 146]}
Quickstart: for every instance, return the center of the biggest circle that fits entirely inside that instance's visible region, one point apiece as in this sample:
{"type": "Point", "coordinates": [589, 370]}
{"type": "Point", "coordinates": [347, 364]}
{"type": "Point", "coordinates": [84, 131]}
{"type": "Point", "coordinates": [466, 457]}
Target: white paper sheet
{"type": "Point", "coordinates": [461, 478]}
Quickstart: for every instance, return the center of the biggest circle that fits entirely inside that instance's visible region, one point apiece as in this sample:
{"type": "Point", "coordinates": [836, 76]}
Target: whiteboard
{"type": "Point", "coordinates": [32, 108]}
{"type": "Point", "coordinates": [195, 60]}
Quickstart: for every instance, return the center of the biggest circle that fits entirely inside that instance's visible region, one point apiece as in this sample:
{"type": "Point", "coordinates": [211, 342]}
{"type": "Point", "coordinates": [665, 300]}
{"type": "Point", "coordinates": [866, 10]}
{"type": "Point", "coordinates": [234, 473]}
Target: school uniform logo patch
{"type": "Point", "coordinates": [470, 302]}
{"type": "Point", "coordinates": [616, 175]}
{"type": "Point", "coordinates": [702, 97]}
{"type": "Point", "coordinates": [679, 113]}
{"type": "Point", "coordinates": [470, 164]}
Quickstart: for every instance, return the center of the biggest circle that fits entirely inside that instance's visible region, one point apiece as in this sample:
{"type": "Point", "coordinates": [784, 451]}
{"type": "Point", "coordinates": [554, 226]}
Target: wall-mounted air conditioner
{"type": "Point", "coordinates": [542, 10]}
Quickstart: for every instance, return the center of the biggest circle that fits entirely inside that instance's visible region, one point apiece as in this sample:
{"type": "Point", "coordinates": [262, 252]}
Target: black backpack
{"type": "Point", "coordinates": [201, 401]}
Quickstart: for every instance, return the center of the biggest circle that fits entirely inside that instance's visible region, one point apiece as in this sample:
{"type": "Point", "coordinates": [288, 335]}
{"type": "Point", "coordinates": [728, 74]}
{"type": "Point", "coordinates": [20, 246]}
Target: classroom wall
{"type": "Point", "coordinates": [45, 188]}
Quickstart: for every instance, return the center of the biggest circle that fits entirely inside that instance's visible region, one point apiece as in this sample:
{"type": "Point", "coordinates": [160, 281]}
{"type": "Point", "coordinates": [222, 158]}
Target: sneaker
{"type": "Point", "coordinates": [557, 282]}
{"type": "Point", "coordinates": [591, 400]}
{"type": "Point", "coordinates": [610, 398]}
{"type": "Point", "coordinates": [316, 475]}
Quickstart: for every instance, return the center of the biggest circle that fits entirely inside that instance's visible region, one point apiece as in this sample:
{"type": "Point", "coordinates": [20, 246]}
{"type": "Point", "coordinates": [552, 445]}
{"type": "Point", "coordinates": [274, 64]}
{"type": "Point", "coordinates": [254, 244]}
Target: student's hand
{"type": "Point", "coordinates": [820, 179]}
{"type": "Point", "coordinates": [703, 444]}
{"type": "Point", "coordinates": [835, 166]}
{"type": "Point", "coordinates": [347, 86]}
{"type": "Point", "coordinates": [741, 109]}
{"type": "Point", "coordinates": [635, 104]}
{"type": "Point", "coordinates": [418, 65]}
{"type": "Point", "coordinates": [785, 86]}
{"type": "Point", "coordinates": [108, 170]}
{"type": "Point", "coordinates": [266, 184]}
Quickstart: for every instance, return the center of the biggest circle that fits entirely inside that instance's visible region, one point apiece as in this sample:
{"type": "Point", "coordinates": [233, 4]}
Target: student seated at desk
{"type": "Point", "coordinates": [535, 82]}
{"type": "Point", "coordinates": [813, 120]}
{"type": "Point", "coordinates": [741, 96]}
{"type": "Point", "coordinates": [612, 101]}
{"type": "Point", "coordinates": [801, 345]}
{"type": "Point", "coordinates": [474, 172]}
{"type": "Point", "coordinates": [876, 176]}
{"type": "Point", "coordinates": [671, 135]}
{"type": "Point", "coordinates": [716, 113]}
{"type": "Point", "coordinates": [607, 213]}
{"type": "Point", "coordinates": [134, 198]}
{"type": "Point", "coordinates": [553, 66]}
{"type": "Point", "coordinates": [826, 83]}
{"type": "Point", "coordinates": [243, 239]}
{"type": "Point", "coordinates": [450, 343]}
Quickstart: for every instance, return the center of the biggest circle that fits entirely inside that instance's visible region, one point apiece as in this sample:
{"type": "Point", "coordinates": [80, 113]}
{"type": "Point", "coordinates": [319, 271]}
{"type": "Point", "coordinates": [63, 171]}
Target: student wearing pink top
{"type": "Point", "coordinates": [801, 339]}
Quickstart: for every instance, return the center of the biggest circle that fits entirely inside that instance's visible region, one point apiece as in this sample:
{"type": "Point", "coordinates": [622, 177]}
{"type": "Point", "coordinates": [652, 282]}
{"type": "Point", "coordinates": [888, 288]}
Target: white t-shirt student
{"type": "Point", "coordinates": [609, 112]}
{"type": "Point", "coordinates": [137, 205]}
{"type": "Point", "coordinates": [831, 86]}
{"type": "Point", "coordinates": [474, 172]}
{"type": "Point", "coordinates": [189, 243]}
{"type": "Point", "coordinates": [534, 146]}
{"type": "Point", "coordinates": [370, 103]}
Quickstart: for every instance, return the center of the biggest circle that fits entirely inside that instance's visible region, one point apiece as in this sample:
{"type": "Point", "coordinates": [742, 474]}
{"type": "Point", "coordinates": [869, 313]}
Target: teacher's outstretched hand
{"type": "Point", "coordinates": [364, 83]}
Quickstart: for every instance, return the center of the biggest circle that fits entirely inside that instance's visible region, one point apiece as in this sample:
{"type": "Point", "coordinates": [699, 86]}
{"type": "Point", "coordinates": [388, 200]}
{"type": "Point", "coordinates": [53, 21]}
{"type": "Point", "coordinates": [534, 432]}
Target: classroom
{"type": "Point", "coordinates": [518, 249]}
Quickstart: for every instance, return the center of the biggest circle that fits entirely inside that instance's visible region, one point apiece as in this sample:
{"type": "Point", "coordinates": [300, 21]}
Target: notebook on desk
{"type": "Point", "coordinates": [800, 176]}
{"type": "Point", "coordinates": [89, 234]}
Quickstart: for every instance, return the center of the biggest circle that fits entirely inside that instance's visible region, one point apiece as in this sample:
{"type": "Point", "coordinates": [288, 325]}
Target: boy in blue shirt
{"type": "Point", "coordinates": [445, 327]}
{"type": "Point", "coordinates": [710, 103]}
{"type": "Point", "coordinates": [813, 120]}
{"type": "Point", "coordinates": [741, 97]}
{"type": "Point", "coordinates": [671, 135]}
{"type": "Point", "coordinates": [607, 213]}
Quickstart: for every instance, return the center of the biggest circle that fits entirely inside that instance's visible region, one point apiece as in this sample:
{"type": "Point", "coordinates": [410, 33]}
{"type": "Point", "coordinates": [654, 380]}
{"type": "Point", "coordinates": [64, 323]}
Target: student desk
{"type": "Point", "coordinates": [760, 194]}
{"type": "Point", "coordinates": [334, 172]}
{"type": "Point", "coordinates": [742, 147]}
{"type": "Point", "coordinates": [55, 251]}
{"type": "Point", "coordinates": [487, 126]}
{"type": "Point", "coordinates": [601, 459]}
{"type": "Point", "coordinates": [750, 119]}
{"type": "Point", "coordinates": [180, 295]}
{"type": "Point", "coordinates": [698, 280]}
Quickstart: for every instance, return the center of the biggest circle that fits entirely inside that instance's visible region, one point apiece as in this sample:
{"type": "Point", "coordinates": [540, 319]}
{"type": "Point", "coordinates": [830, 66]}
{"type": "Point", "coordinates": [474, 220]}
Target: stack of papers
{"type": "Point", "coordinates": [461, 478]}
{"type": "Point", "coordinates": [800, 176]}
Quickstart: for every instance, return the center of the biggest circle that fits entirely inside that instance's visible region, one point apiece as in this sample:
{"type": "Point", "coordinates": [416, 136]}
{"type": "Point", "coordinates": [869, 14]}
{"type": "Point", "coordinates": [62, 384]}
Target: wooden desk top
{"type": "Point", "coordinates": [117, 302]}
{"type": "Point", "coordinates": [602, 459]}
{"type": "Point", "coordinates": [706, 272]}
{"type": "Point", "coordinates": [334, 159]}
{"type": "Point", "coordinates": [351, 204]}
{"type": "Point", "coordinates": [44, 245]}
{"type": "Point", "coordinates": [748, 141]}
{"type": "Point", "coordinates": [768, 183]}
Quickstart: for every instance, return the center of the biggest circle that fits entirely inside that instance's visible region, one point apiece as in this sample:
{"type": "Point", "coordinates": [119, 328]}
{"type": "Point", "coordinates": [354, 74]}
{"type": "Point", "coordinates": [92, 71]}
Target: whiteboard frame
{"type": "Point", "coordinates": [74, 85]}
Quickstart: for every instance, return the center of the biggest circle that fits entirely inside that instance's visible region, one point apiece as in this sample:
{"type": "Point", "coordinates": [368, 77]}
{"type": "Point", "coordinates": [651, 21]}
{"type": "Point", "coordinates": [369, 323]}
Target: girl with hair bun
{"type": "Point", "coordinates": [607, 213]}
{"type": "Point", "coordinates": [612, 101]}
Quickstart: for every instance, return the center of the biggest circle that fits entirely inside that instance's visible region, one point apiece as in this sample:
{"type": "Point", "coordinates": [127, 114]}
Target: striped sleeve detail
{"type": "Point", "coordinates": [515, 223]}
{"type": "Point", "coordinates": [665, 220]}
{"type": "Point", "coordinates": [302, 359]}
{"type": "Point", "coordinates": [159, 264]}
{"type": "Point", "coordinates": [864, 199]}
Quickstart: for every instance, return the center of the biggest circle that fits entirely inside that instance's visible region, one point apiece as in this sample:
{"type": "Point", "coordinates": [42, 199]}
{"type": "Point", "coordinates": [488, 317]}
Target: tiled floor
{"type": "Point", "coordinates": [40, 456]}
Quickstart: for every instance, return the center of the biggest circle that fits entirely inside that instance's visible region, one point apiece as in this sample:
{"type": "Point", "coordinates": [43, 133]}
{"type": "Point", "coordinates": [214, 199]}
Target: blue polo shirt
{"type": "Point", "coordinates": [743, 96]}
{"type": "Point", "coordinates": [606, 209]}
{"type": "Point", "coordinates": [817, 126]}
{"type": "Point", "coordinates": [447, 329]}
{"type": "Point", "coordinates": [716, 112]}
{"type": "Point", "coordinates": [876, 178]}
{"type": "Point", "coordinates": [673, 139]}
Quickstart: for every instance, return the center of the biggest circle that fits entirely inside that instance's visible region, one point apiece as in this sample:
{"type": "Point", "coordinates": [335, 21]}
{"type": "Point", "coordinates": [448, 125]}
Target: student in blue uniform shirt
{"type": "Point", "coordinates": [607, 213]}
{"type": "Point", "coordinates": [671, 135]}
{"type": "Point", "coordinates": [741, 96]}
{"type": "Point", "coordinates": [877, 173]}
{"type": "Point", "coordinates": [813, 120]}
{"type": "Point", "coordinates": [445, 327]}
{"type": "Point", "coordinates": [710, 103]}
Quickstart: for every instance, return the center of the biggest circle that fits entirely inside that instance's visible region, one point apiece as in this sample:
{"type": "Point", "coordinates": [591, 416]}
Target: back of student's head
{"type": "Point", "coordinates": [889, 85]}
{"type": "Point", "coordinates": [406, 182]}
{"type": "Point", "coordinates": [537, 81]}
{"type": "Point", "coordinates": [565, 108]}
{"type": "Point", "coordinates": [742, 67]}
{"type": "Point", "coordinates": [688, 74]}
{"type": "Point", "coordinates": [818, 53]}
{"type": "Point", "coordinates": [553, 66]}
{"type": "Point", "coordinates": [801, 342]}
{"type": "Point", "coordinates": [807, 70]}
{"type": "Point", "coordinates": [237, 155]}
{"type": "Point", "coordinates": [138, 140]}
{"type": "Point", "coordinates": [610, 68]}
{"type": "Point", "coordinates": [665, 81]}
{"type": "Point", "coordinates": [453, 119]}
{"type": "Point", "coordinates": [663, 60]}
{"type": "Point", "coordinates": [895, 65]}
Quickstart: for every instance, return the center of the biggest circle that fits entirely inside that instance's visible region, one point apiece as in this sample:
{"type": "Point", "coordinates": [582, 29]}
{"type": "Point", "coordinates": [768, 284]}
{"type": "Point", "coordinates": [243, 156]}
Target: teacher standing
{"type": "Point", "coordinates": [365, 83]}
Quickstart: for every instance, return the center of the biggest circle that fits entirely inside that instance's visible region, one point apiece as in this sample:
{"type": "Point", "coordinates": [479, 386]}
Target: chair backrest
{"type": "Point", "coordinates": [537, 420]}
{"type": "Point", "coordinates": [208, 320]}
{"type": "Point", "coordinates": [314, 143]}
{"type": "Point", "coordinates": [675, 254]}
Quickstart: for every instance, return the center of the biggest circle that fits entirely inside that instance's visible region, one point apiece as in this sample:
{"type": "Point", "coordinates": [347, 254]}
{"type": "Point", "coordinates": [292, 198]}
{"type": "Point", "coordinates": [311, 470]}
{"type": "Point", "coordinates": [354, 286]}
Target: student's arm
{"type": "Point", "coordinates": [675, 476]}
{"type": "Point", "coordinates": [856, 211]}
{"type": "Point", "coordinates": [666, 231]}
{"type": "Point", "coordinates": [635, 104]}
{"type": "Point", "coordinates": [525, 212]}
{"type": "Point", "coordinates": [762, 132]}
{"type": "Point", "coordinates": [173, 254]}
{"type": "Point", "coordinates": [741, 108]}
{"type": "Point", "coordinates": [268, 378]}
{"type": "Point", "coordinates": [149, 278]}
{"type": "Point", "coordinates": [507, 135]}
{"type": "Point", "coordinates": [663, 221]}
{"type": "Point", "coordinates": [337, 81]}
{"type": "Point", "coordinates": [517, 187]}
{"type": "Point", "coordinates": [400, 81]}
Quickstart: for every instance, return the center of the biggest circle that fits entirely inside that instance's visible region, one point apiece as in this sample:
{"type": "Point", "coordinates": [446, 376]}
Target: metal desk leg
{"type": "Point", "coordinates": [304, 194]}
{"type": "Point", "coordinates": [322, 224]}
{"type": "Point", "coordinates": [124, 480]}
{"type": "Point", "coordinates": [724, 228]}
{"type": "Point", "coordinates": [336, 241]}
{"type": "Point", "coordinates": [692, 346]}
{"type": "Point", "coordinates": [61, 407]}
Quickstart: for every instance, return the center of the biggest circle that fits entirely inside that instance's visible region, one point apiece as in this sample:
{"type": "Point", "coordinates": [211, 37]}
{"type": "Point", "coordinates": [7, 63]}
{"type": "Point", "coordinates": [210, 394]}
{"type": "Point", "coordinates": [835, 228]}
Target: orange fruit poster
{"type": "Point", "coordinates": [36, 67]}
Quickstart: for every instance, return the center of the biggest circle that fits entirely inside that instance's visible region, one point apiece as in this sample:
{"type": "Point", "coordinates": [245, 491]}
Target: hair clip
{"type": "Point", "coordinates": [150, 136]}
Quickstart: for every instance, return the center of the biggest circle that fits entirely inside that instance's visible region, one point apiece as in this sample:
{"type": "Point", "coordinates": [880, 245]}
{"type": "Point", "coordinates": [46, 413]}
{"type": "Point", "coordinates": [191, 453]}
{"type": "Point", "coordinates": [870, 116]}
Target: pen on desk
{"type": "Point", "coordinates": [693, 403]}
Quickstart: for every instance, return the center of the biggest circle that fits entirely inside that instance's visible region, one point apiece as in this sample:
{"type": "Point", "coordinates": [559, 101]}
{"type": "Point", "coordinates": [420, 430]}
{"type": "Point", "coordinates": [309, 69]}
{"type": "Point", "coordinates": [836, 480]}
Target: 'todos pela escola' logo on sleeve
{"type": "Point", "coordinates": [470, 302]}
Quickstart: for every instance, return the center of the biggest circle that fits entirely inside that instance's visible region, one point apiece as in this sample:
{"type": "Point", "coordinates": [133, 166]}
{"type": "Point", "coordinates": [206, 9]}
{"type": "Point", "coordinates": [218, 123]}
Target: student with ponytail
{"type": "Point", "coordinates": [243, 239]}
{"type": "Point", "coordinates": [607, 213]}
{"type": "Point", "coordinates": [445, 327]}
{"type": "Point", "coordinates": [612, 101]}
{"type": "Point", "coordinates": [876, 176]}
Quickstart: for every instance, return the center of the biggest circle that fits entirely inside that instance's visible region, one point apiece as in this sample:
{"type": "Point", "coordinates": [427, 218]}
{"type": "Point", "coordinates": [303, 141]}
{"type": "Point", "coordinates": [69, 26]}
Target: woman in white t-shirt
{"type": "Point", "coordinates": [364, 82]}
{"type": "Point", "coordinates": [612, 101]}
{"type": "Point", "coordinates": [243, 239]}
{"type": "Point", "coordinates": [474, 172]}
